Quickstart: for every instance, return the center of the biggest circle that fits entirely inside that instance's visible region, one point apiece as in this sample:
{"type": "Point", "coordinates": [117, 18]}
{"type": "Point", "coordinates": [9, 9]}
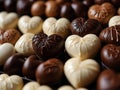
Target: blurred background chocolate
{"type": "Point", "coordinates": [101, 1]}
{"type": "Point", "coordinates": [1, 5]}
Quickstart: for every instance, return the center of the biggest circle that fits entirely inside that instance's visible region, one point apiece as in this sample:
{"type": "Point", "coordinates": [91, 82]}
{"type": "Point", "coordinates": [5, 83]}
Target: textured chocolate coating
{"type": "Point", "coordinates": [47, 46]}
{"type": "Point", "coordinates": [38, 8]}
{"type": "Point", "coordinates": [9, 36]}
{"type": "Point", "coordinates": [108, 80]}
{"type": "Point", "coordinates": [30, 66]}
{"type": "Point", "coordinates": [49, 72]}
{"type": "Point", "coordinates": [111, 35]}
{"type": "Point", "coordinates": [52, 9]}
{"type": "Point", "coordinates": [10, 5]}
{"type": "Point", "coordinates": [14, 64]}
{"type": "Point", "coordinates": [110, 56]}
{"type": "Point", "coordinates": [81, 27]}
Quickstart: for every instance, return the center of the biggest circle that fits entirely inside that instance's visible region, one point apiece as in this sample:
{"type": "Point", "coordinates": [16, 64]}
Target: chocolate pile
{"type": "Point", "coordinates": [60, 44]}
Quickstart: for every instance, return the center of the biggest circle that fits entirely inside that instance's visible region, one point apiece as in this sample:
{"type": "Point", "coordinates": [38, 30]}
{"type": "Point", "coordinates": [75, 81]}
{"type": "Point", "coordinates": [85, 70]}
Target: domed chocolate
{"type": "Point", "coordinates": [49, 72]}
{"type": "Point", "coordinates": [47, 46]}
{"type": "Point", "coordinates": [81, 27]}
{"type": "Point", "coordinates": [110, 56]}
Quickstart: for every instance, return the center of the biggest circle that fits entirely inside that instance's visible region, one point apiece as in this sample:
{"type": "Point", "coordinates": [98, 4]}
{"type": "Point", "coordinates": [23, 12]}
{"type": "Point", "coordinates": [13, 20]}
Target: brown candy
{"type": "Point", "coordinates": [108, 80]}
{"type": "Point", "coordinates": [81, 27]}
{"type": "Point", "coordinates": [9, 36]}
{"type": "Point", "coordinates": [102, 13]}
{"type": "Point", "coordinates": [111, 35]}
{"type": "Point", "coordinates": [49, 72]}
{"type": "Point", "coordinates": [110, 56]}
{"type": "Point", "coordinates": [47, 46]}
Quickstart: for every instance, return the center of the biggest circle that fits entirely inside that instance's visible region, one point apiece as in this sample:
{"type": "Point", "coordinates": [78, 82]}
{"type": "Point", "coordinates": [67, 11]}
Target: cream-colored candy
{"type": "Point", "coordinates": [31, 86]}
{"type": "Point", "coordinates": [27, 24]}
{"type": "Point", "coordinates": [13, 82]}
{"type": "Point", "coordinates": [81, 73]}
{"type": "Point", "coordinates": [81, 89]}
{"type": "Point", "coordinates": [115, 20]}
{"type": "Point", "coordinates": [8, 20]}
{"type": "Point", "coordinates": [6, 50]}
{"type": "Point", "coordinates": [44, 87]}
{"type": "Point", "coordinates": [83, 47]}
{"type": "Point", "coordinates": [66, 87]}
{"type": "Point", "coordinates": [53, 26]}
{"type": "Point", "coordinates": [24, 44]}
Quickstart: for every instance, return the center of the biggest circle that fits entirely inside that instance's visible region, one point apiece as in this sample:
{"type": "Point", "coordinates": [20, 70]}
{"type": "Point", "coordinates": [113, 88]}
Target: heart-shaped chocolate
{"type": "Point", "coordinates": [115, 20]}
{"type": "Point", "coordinates": [81, 27]}
{"type": "Point", "coordinates": [82, 47]}
{"type": "Point", "coordinates": [81, 73]}
{"type": "Point", "coordinates": [111, 35]}
{"type": "Point", "coordinates": [7, 50]}
{"type": "Point", "coordinates": [13, 82]}
{"type": "Point", "coordinates": [53, 26]}
{"type": "Point", "coordinates": [9, 36]}
{"type": "Point", "coordinates": [29, 24]}
{"type": "Point", "coordinates": [47, 46]}
{"type": "Point", "coordinates": [108, 80]}
{"type": "Point", "coordinates": [8, 20]}
{"type": "Point", "coordinates": [102, 12]}
{"type": "Point", "coordinates": [110, 56]}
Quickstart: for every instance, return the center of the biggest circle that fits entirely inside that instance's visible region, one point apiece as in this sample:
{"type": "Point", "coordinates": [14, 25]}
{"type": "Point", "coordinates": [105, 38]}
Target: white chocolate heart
{"type": "Point", "coordinates": [81, 73]}
{"type": "Point", "coordinates": [24, 44]}
{"type": "Point", "coordinates": [13, 82]}
{"type": "Point", "coordinates": [6, 50]}
{"type": "Point", "coordinates": [53, 26]}
{"type": "Point", "coordinates": [115, 20]}
{"type": "Point", "coordinates": [82, 47]}
{"type": "Point", "coordinates": [28, 24]}
{"type": "Point", "coordinates": [8, 20]}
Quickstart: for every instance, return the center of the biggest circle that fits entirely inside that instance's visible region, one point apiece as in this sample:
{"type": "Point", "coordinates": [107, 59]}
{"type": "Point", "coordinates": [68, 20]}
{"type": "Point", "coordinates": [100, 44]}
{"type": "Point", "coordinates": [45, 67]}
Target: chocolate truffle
{"type": "Point", "coordinates": [110, 56]}
{"type": "Point", "coordinates": [108, 80]}
{"type": "Point", "coordinates": [47, 46]}
{"type": "Point", "coordinates": [81, 27]}
{"type": "Point", "coordinates": [49, 72]}
{"type": "Point", "coordinates": [14, 64]}
{"type": "Point", "coordinates": [111, 35]}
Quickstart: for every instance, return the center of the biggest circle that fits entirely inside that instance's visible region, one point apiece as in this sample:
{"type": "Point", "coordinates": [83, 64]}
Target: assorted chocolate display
{"type": "Point", "coordinates": [59, 44]}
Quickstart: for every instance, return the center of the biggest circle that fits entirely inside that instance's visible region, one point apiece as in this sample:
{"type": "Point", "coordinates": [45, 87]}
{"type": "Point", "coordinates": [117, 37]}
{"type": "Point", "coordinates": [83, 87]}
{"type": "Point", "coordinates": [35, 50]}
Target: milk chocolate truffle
{"type": "Point", "coordinates": [49, 72]}
{"type": "Point", "coordinates": [81, 27]}
{"type": "Point", "coordinates": [108, 80]}
{"type": "Point", "coordinates": [30, 66]}
{"type": "Point", "coordinates": [47, 46]}
{"type": "Point", "coordinates": [102, 13]}
{"type": "Point", "coordinates": [14, 64]}
{"type": "Point", "coordinates": [110, 56]}
{"type": "Point", "coordinates": [52, 9]}
{"type": "Point", "coordinates": [10, 5]}
{"type": "Point", "coordinates": [111, 35]}
{"type": "Point", "coordinates": [38, 8]}
{"type": "Point", "coordinates": [9, 36]}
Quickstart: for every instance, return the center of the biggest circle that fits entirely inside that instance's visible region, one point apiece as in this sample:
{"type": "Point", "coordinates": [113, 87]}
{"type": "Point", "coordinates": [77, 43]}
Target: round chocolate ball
{"type": "Point", "coordinates": [14, 64]}
{"type": "Point", "coordinates": [49, 72]}
{"type": "Point", "coordinates": [30, 66]}
{"type": "Point", "coordinates": [88, 3]}
{"type": "Point", "coordinates": [38, 8]}
{"type": "Point", "coordinates": [108, 80]}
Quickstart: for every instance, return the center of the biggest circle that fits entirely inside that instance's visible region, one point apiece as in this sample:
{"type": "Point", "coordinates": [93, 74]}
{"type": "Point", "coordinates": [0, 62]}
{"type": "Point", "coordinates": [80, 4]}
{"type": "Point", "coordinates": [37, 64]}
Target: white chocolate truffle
{"type": "Point", "coordinates": [8, 20]}
{"type": "Point", "coordinates": [27, 24]}
{"type": "Point", "coordinates": [81, 89]}
{"type": "Point", "coordinates": [81, 73]}
{"type": "Point", "coordinates": [82, 47]}
{"type": "Point", "coordinates": [44, 87]}
{"type": "Point", "coordinates": [115, 20]}
{"type": "Point", "coordinates": [66, 87]}
{"type": "Point", "coordinates": [13, 82]}
{"type": "Point", "coordinates": [31, 86]}
{"type": "Point", "coordinates": [7, 50]}
{"type": "Point", "coordinates": [24, 44]}
{"type": "Point", "coordinates": [53, 26]}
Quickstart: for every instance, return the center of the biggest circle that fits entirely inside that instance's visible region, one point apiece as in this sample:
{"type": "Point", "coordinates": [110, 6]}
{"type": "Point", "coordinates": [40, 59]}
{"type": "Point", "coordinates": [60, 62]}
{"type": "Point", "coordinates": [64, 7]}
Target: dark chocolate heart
{"type": "Point", "coordinates": [110, 56]}
{"type": "Point", "coordinates": [111, 35]}
{"type": "Point", "coordinates": [47, 46]}
{"type": "Point", "coordinates": [81, 27]}
{"type": "Point", "coordinates": [108, 80]}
